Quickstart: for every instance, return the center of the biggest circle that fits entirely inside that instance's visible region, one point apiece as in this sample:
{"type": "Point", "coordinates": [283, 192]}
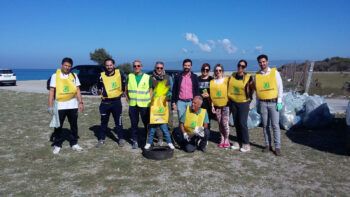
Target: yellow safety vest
{"type": "Point", "coordinates": [112, 84]}
{"type": "Point", "coordinates": [65, 88]}
{"type": "Point", "coordinates": [218, 93]}
{"type": "Point", "coordinates": [266, 85]}
{"type": "Point", "coordinates": [236, 89]}
{"type": "Point", "coordinates": [193, 120]}
{"type": "Point", "coordinates": [139, 94]}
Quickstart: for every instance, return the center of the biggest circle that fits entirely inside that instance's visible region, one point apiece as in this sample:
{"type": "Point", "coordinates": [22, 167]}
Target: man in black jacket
{"type": "Point", "coordinates": [185, 88]}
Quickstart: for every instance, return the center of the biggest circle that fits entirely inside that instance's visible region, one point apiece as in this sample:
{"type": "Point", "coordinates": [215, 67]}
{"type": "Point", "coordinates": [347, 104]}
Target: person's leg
{"type": "Point", "coordinates": [204, 140]}
{"type": "Point", "coordinates": [144, 112]}
{"type": "Point", "coordinates": [58, 137]}
{"type": "Point", "coordinates": [164, 128]}
{"type": "Point", "coordinates": [274, 116]}
{"type": "Point", "coordinates": [134, 120]}
{"type": "Point", "coordinates": [218, 118]}
{"type": "Point", "coordinates": [152, 130]}
{"type": "Point", "coordinates": [243, 119]}
{"type": "Point", "coordinates": [116, 113]}
{"type": "Point", "coordinates": [236, 116]}
{"type": "Point", "coordinates": [181, 108]}
{"type": "Point", "coordinates": [73, 121]}
{"type": "Point", "coordinates": [190, 147]}
{"type": "Point", "coordinates": [178, 137]}
{"type": "Point", "coordinates": [265, 122]}
{"type": "Point", "coordinates": [104, 112]}
{"type": "Point", "coordinates": [225, 115]}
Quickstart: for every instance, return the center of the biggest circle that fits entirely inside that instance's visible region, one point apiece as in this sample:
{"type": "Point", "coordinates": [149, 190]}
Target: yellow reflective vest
{"type": "Point", "coordinates": [112, 84]}
{"type": "Point", "coordinates": [236, 89]}
{"type": "Point", "coordinates": [218, 93]}
{"type": "Point", "coordinates": [65, 88]}
{"type": "Point", "coordinates": [266, 85]}
{"type": "Point", "coordinates": [139, 93]}
{"type": "Point", "coordinates": [193, 120]}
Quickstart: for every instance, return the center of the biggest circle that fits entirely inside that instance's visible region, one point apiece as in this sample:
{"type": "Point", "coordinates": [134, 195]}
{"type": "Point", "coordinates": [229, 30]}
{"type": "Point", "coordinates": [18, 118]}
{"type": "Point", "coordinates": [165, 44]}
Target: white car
{"type": "Point", "coordinates": [7, 77]}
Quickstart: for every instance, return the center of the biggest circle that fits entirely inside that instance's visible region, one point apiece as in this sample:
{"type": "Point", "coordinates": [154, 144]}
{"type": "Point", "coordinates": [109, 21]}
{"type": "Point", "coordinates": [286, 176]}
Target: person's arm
{"type": "Point", "coordinates": [174, 92]}
{"type": "Point", "coordinates": [279, 87]}
{"type": "Point", "coordinates": [100, 86]}
{"type": "Point", "coordinates": [80, 100]}
{"type": "Point", "coordinates": [52, 91]}
{"type": "Point", "coordinates": [195, 85]}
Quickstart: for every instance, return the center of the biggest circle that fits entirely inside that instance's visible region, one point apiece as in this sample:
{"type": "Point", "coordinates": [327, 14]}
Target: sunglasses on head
{"type": "Point", "coordinates": [138, 65]}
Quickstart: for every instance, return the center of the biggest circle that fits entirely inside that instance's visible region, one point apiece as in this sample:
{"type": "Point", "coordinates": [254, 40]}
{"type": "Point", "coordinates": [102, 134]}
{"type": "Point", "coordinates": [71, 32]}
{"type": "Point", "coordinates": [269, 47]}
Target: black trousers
{"type": "Point", "coordinates": [106, 109]}
{"type": "Point", "coordinates": [192, 145]}
{"type": "Point", "coordinates": [134, 113]}
{"type": "Point", "coordinates": [240, 112]}
{"type": "Point", "coordinates": [59, 136]}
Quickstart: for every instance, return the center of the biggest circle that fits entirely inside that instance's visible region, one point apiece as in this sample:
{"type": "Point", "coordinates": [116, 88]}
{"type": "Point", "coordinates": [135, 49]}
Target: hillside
{"type": "Point", "coordinates": [334, 64]}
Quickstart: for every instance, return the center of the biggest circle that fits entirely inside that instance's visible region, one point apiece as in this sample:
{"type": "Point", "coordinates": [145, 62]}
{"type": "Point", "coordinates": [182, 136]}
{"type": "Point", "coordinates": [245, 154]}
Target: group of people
{"type": "Point", "coordinates": [197, 100]}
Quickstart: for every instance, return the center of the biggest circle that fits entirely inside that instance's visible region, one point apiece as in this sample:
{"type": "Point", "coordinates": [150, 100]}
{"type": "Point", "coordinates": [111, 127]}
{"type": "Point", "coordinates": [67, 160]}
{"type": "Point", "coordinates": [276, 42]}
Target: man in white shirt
{"type": "Point", "coordinates": [269, 90]}
{"type": "Point", "coordinates": [64, 90]}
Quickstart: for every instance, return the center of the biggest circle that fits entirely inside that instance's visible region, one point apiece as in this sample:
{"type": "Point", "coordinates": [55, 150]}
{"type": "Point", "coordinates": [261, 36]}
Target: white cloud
{"type": "Point", "coordinates": [259, 49]}
{"type": "Point", "coordinates": [228, 46]}
{"type": "Point", "coordinates": [194, 39]}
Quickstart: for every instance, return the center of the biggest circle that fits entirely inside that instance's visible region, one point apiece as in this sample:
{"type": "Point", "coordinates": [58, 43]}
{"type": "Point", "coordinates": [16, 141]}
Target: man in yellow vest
{"type": "Point", "coordinates": [194, 132]}
{"type": "Point", "coordinates": [65, 93]}
{"type": "Point", "coordinates": [139, 93]}
{"type": "Point", "coordinates": [269, 90]}
{"type": "Point", "coordinates": [111, 88]}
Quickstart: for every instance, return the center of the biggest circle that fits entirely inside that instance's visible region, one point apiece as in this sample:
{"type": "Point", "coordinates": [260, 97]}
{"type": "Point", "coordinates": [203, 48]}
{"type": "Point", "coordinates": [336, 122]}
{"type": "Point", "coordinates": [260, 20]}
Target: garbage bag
{"type": "Point", "coordinates": [291, 113]}
{"type": "Point", "coordinates": [316, 113]}
{"type": "Point", "coordinates": [55, 121]}
{"type": "Point", "coordinates": [254, 119]}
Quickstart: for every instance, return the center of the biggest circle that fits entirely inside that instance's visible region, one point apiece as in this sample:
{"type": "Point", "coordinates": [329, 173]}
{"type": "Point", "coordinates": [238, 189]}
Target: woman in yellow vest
{"type": "Point", "coordinates": [240, 91]}
{"type": "Point", "coordinates": [218, 96]}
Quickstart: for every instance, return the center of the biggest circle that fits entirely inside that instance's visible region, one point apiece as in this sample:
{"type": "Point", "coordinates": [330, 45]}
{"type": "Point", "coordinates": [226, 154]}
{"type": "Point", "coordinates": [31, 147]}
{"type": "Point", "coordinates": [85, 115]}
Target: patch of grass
{"type": "Point", "coordinates": [313, 162]}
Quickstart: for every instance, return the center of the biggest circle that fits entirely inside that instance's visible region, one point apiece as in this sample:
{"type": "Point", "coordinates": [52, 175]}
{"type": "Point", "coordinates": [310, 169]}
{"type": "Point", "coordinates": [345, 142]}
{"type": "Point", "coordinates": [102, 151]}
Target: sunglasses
{"type": "Point", "coordinates": [205, 70]}
{"type": "Point", "coordinates": [218, 70]}
{"type": "Point", "coordinates": [242, 66]}
{"type": "Point", "coordinates": [138, 66]}
{"type": "Point", "coordinates": [159, 68]}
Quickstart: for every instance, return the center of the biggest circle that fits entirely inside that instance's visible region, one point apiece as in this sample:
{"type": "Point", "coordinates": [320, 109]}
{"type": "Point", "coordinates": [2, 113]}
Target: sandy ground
{"type": "Point", "coordinates": [39, 86]}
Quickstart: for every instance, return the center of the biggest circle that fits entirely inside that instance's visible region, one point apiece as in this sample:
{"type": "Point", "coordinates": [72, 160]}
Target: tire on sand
{"type": "Point", "coordinates": [158, 153]}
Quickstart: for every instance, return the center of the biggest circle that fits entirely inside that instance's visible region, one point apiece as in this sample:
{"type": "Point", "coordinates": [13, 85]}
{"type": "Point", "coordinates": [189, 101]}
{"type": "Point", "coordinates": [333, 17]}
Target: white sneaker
{"type": "Point", "coordinates": [77, 147]}
{"type": "Point", "coordinates": [56, 150]}
{"type": "Point", "coordinates": [171, 146]}
{"type": "Point", "coordinates": [147, 146]}
{"type": "Point", "coordinates": [235, 146]}
{"type": "Point", "coordinates": [245, 148]}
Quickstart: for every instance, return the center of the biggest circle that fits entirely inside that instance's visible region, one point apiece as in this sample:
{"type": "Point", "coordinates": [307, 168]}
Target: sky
{"type": "Point", "coordinates": [39, 33]}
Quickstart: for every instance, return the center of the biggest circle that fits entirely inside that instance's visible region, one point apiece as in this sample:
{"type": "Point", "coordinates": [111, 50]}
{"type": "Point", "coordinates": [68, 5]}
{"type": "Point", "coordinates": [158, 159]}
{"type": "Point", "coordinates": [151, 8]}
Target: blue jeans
{"type": "Point", "coordinates": [270, 117]}
{"type": "Point", "coordinates": [181, 108]}
{"type": "Point", "coordinates": [163, 127]}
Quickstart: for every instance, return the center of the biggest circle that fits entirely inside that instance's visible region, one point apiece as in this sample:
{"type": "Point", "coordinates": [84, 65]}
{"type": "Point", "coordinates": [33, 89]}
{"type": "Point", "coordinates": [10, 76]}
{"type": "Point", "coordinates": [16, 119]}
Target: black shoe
{"type": "Point", "coordinates": [278, 152]}
{"type": "Point", "coordinates": [121, 142]}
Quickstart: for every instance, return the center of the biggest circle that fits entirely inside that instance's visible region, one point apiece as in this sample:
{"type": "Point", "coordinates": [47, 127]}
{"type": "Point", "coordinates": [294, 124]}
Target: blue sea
{"type": "Point", "coordinates": [33, 74]}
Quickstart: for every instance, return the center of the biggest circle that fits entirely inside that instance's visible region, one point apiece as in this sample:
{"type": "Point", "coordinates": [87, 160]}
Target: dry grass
{"type": "Point", "coordinates": [313, 162]}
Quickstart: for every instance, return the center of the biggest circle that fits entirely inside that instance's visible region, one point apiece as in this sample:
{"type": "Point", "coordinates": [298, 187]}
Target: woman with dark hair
{"type": "Point", "coordinates": [219, 99]}
{"type": "Point", "coordinates": [240, 91]}
{"type": "Point", "coordinates": [204, 90]}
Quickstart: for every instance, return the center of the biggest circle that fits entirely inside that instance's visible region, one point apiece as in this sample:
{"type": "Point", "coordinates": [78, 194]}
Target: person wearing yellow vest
{"type": "Point", "coordinates": [65, 92]}
{"type": "Point", "coordinates": [139, 93]}
{"type": "Point", "coordinates": [269, 90]}
{"type": "Point", "coordinates": [240, 90]}
{"type": "Point", "coordinates": [193, 132]}
{"type": "Point", "coordinates": [111, 87]}
{"type": "Point", "coordinates": [219, 102]}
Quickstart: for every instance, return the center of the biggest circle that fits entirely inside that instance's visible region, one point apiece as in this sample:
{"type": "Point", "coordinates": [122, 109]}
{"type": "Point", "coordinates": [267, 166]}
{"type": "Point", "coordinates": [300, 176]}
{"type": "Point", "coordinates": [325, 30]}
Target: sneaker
{"type": "Point", "coordinates": [56, 150]}
{"type": "Point", "coordinates": [245, 148]}
{"type": "Point", "coordinates": [147, 146]}
{"type": "Point", "coordinates": [77, 147]}
{"type": "Point", "coordinates": [278, 152]}
{"type": "Point", "coordinates": [100, 143]}
{"type": "Point", "coordinates": [171, 146]}
{"type": "Point", "coordinates": [135, 145]}
{"type": "Point", "coordinates": [235, 146]}
{"type": "Point", "coordinates": [121, 142]}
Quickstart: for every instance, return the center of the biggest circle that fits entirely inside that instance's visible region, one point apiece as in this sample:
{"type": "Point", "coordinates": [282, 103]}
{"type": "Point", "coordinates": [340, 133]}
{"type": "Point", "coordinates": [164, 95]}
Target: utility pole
{"type": "Point", "coordinates": [309, 77]}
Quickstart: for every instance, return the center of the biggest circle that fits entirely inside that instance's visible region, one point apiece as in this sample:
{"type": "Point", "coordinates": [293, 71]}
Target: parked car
{"type": "Point", "coordinates": [7, 76]}
{"type": "Point", "coordinates": [88, 75]}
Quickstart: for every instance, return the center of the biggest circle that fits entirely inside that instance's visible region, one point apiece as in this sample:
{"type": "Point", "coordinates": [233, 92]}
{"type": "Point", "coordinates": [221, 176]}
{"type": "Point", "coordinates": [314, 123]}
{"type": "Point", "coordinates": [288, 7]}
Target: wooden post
{"type": "Point", "coordinates": [309, 77]}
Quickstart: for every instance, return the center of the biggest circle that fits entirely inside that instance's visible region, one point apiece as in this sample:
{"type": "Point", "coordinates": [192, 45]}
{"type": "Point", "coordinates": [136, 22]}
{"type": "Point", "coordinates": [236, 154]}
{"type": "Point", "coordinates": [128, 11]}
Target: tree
{"type": "Point", "coordinates": [126, 68]}
{"type": "Point", "coordinates": [99, 56]}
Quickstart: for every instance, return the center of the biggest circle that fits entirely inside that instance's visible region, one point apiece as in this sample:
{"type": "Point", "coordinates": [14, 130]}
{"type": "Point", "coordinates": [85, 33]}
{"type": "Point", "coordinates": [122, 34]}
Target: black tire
{"type": "Point", "coordinates": [14, 83]}
{"type": "Point", "coordinates": [94, 90]}
{"type": "Point", "coordinates": [158, 153]}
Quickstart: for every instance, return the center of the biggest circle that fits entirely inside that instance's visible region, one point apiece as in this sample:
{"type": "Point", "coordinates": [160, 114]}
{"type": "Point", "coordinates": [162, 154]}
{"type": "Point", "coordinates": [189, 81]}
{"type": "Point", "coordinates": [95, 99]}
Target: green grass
{"type": "Point", "coordinates": [313, 162]}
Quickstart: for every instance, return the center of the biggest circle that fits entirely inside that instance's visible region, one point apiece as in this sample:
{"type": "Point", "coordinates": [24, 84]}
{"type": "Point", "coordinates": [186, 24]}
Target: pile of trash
{"type": "Point", "coordinates": [254, 119]}
{"type": "Point", "coordinates": [303, 110]}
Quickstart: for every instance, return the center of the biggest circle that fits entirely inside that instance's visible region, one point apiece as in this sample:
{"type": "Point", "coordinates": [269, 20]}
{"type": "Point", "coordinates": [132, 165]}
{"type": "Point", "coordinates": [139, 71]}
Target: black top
{"type": "Point", "coordinates": [204, 84]}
